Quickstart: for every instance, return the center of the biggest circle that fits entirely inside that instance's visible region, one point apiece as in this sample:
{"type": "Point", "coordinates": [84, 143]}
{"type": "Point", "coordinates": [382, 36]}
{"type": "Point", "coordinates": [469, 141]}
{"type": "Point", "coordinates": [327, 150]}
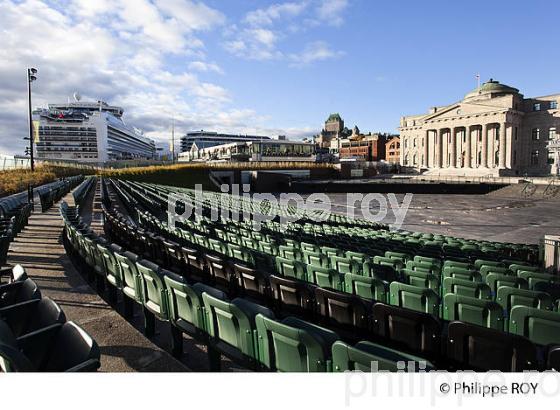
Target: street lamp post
{"type": "Point", "coordinates": [30, 78]}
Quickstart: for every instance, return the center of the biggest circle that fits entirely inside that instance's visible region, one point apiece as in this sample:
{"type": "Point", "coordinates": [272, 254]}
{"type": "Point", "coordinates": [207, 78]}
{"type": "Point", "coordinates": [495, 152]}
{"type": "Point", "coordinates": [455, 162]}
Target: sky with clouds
{"type": "Point", "coordinates": [269, 67]}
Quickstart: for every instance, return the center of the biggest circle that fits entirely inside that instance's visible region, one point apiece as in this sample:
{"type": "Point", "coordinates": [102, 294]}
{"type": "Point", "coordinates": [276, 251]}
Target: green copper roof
{"type": "Point", "coordinates": [334, 117]}
{"type": "Point", "coordinates": [493, 86]}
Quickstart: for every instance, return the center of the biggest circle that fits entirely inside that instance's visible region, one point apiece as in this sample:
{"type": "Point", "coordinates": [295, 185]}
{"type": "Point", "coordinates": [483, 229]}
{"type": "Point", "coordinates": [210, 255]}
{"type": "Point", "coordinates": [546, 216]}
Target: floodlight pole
{"type": "Point", "coordinates": [30, 78]}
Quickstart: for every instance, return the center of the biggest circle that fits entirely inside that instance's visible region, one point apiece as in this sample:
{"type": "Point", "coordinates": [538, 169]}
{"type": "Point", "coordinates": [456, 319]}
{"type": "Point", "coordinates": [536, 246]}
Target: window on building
{"type": "Point", "coordinates": [535, 157]}
{"type": "Point", "coordinates": [553, 105]}
{"type": "Point", "coordinates": [550, 159]}
{"type": "Point", "coordinates": [536, 106]}
{"type": "Point", "coordinates": [536, 134]}
{"type": "Point", "coordinates": [551, 133]}
{"type": "Point", "coordinates": [514, 157]}
{"type": "Point", "coordinates": [515, 133]}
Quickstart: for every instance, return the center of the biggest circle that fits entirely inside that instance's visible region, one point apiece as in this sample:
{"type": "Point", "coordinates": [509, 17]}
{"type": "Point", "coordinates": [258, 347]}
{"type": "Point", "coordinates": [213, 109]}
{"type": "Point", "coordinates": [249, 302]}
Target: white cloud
{"type": "Point", "coordinates": [266, 16]}
{"type": "Point", "coordinates": [205, 67]}
{"type": "Point", "coordinates": [316, 51]}
{"type": "Point", "coordinates": [330, 11]}
{"type": "Point", "coordinates": [255, 44]}
{"type": "Point", "coordinates": [262, 31]}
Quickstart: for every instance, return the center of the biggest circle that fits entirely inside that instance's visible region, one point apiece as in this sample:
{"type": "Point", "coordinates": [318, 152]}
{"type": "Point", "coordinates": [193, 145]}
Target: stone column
{"type": "Point", "coordinates": [440, 148]}
{"type": "Point", "coordinates": [503, 137]}
{"type": "Point", "coordinates": [484, 147]}
{"type": "Point", "coordinates": [453, 147]}
{"type": "Point", "coordinates": [468, 160]}
{"type": "Point", "coordinates": [426, 151]}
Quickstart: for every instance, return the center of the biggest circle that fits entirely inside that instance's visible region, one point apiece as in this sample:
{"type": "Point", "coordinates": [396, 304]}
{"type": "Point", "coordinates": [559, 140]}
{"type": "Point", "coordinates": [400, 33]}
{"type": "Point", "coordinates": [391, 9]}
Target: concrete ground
{"type": "Point", "coordinates": [505, 215]}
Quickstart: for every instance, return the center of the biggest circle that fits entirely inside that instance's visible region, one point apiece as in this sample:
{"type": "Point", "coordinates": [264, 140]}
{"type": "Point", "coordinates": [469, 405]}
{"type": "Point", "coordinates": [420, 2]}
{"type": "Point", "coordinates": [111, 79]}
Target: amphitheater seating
{"type": "Point", "coordinates": [338, 275]}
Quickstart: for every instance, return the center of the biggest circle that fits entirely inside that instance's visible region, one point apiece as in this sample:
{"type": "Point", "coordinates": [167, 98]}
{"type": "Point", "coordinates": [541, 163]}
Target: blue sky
{"type": "Point", "coordinates": [269, 66]}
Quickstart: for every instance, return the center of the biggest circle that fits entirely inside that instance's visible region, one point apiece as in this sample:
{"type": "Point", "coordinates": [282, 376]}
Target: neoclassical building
{"type": "Point", "coordinates": [494, 130]}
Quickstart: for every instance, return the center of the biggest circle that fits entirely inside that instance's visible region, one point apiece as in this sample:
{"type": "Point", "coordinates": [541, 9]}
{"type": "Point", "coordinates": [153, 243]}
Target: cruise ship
{"type": "Point", "coordinates": [90, 132]}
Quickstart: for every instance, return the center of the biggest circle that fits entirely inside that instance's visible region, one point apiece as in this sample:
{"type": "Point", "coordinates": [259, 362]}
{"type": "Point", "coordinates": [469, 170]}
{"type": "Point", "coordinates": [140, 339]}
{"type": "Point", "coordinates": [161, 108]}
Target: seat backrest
{"type": "Point", "coordinates": [468, 288]}
{"type": "Point", "coordinates": [497, 280]}
{"type": "Point", "coordinates": [414, 331]}
{"type": "Point", "coordinates": [534, 278]}
{"type": "Point", "coordinates": [74, 350]}
{"type": "Point", "coordinates": [366, 287]}
{"type": "Point", "coordinates": [540, 326]}
{"type": "Point", "coordinates": [290, 268]}
{"type": "Point", "coordinates": [480, 312]}
{"type": "Point", "coordinates": [230, 324]}
{"type": "Point", "coordinates": [251, 282]}
{"type": "Point", "coordinates": [46, 313]}
{"type": "Point", "coordinates": [112, 268]}
{"type": "Point", "coordinates": [343, 310]}
{"type": "Point", "coordinates": [315, 258]}
{"type": "Point", "coordinates": [127, 264]}
{"type": "Point", "coordinates": [371, 357]}
{"type": "Point", "coordinates": [324, 277]}
{"type": "Point", "coordinates": [421, 279]}
{"type": "Point", "coordinates": [462, 273]}
{"type": "Point", "coordinates": [413, 297]}
{"type": "Point", "coordinates": [293, 345]}
{"type": "Point", "coordinates": [154, 296]}
{"type": "Point", "coordinates": [508, 297]}
{"type": "Point", "coordinates": [292, 295]}
{"type": "Point", "coordinates": [484, 349]}
{"type": "Point", "coordinates": [345, 265]}
{"type": "Point", "coordinates": [185, 304]}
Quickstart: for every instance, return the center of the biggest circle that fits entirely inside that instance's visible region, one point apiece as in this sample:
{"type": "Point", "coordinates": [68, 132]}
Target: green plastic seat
{"type": "Point", "coordinates": [154, 296]}
{"type": "Point", "coordinates": [357, 256]}
{"type": "Point", "coordinates": [293, 345]}
{"type": "Point", "coordinates": [316, 259]}
{"type": "Point", "coordinates": [480, 262]}
{"type": "Point", "coordinates": [421, 279]}
{"type": "Point", "coordinates": [454, 264]}
{"type": "Point", "coordinates": [427, 260]}
{"type": "Point", "coordinates": [540, 326]}
{"type": "Point", "coordinates": [509, 297]}
{"type": "Point", "coordinates": [413, 297]}
{"type": "Point", "coordinates": [132, 287]}
{"type": "Point", "coordinates": [533, 278]}
{"type": "Point", "coordinates": [325, 277]}
{"type": "Point", "coordinates": [331, 251]}
{"type": "Point", "coordinates": [291, 253]}
{"type": "Point", "coordinates": [371, 357]}
{"type": "Point", "coordinates": [309, 247]}
{"type": "Point", "coordinates": [345, 265]}
{"type": "Point", "coordinates": [485, 270]}
{"type": "Point", "coordinates": [401, 256]}
{"type": "Point", "coordinates": [516, 268]}
{"type": "Point", "coordinates": [423, 266]}
{"type": "Point", "coordinates": [384, 261]}
{"type": "Point", "coordinates": [291, 268]}
{"type": "Point", "coordinates": [112, 268]}
{"type": "Point", "coordinates": [462, 287]}
{"type": "Point", "coordinates": [463, 274]}
{"type": "Point", "coordinates": [186, 306]}
{"type": "Point", "coordinates": [218, 246]}
{"type": "Point", "coordinates": [233, 323]}
{"type": "Point", "coordinates": [485, 313]}
{"type": "Point", "coordinates": [366, 287]}
{"type": "Point", "coordinates": [497, 280]}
